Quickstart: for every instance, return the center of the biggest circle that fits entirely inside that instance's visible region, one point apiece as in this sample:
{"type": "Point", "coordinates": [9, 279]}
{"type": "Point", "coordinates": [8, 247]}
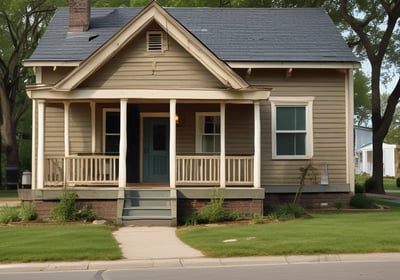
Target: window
{"type": "Point", "coordinates": [208, 133]}
{"type": "Point", "coordinates": [111, 127]}
{"type": "Point", "coordinates": [291, 128]}
{"type": "Point", "coordinates": [154, 41]}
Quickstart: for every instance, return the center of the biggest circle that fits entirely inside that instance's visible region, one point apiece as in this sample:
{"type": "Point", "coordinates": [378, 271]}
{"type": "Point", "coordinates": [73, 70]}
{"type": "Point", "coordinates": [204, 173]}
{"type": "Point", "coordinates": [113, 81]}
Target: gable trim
{"type": "Point", "coordinates": [174, 29]}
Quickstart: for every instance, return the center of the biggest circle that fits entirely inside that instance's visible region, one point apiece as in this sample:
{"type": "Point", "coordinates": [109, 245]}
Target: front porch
{"type": "Point", "coordinates": [191, 170]}
{"type": "Point", "coordinates": [185, 145]}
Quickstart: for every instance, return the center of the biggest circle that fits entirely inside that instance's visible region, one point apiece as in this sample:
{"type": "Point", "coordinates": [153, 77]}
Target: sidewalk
{"type": "Point", "coordinates": [158, 247]}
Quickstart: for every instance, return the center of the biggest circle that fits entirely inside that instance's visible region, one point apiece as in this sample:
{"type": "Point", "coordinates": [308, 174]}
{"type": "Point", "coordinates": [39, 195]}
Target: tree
{"type": "Point", "coordinates": [362, 99]}
{"type": "Point", "coordinates": [393, 135]}
{"type": "Point", "coordinates": [375, 37]}
{"type": "Point", "coordinates": [22, 22]}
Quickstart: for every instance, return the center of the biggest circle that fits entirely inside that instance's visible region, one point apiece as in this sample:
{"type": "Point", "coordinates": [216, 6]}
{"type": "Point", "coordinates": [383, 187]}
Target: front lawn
{"type": "Point", "coordinates": [389, 183]}
{"type": "Point", "coordinates": [57, 243]}
{"type": "Point", "coordinates": [324, 233]}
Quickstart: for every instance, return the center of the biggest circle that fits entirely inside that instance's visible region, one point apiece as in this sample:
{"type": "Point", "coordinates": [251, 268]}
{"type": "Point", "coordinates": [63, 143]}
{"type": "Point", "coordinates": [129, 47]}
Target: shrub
{"type": "Point", "coordinates": [212, 212]}
{"type": "Point", "coordinates": [9, 214]}
{"type": "Point", "coordinates": [286, 212]}
{"type": "Point", "coordinates": [258, 219]}
{"type": "Point", "coordinates": [338, 204]}
{"type": "Point", "coordinates": [27, 212]}
{"type": "Point", "coordinates": [361, 201]}
{"type": "Point", "coordinates": [370, 184]}
{"type": "Point", "coordinates": [358, 188]}
{"type": "Point", "coordinates": [65, 210]}
{"type": "Point", "coordinates": [85, 214]}
{"type": "Point", "coordinates": [398, 182]}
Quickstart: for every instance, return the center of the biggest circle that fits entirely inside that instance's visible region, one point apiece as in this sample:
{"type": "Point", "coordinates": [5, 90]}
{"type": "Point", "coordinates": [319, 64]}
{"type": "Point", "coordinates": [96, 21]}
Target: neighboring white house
{"type": "Point", "coordinates": [363, 160]}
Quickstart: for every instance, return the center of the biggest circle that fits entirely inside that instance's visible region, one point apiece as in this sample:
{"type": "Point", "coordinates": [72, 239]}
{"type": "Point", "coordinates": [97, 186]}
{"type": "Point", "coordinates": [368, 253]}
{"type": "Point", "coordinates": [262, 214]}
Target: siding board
{"type": "Point", "coordinates": [329, 122]}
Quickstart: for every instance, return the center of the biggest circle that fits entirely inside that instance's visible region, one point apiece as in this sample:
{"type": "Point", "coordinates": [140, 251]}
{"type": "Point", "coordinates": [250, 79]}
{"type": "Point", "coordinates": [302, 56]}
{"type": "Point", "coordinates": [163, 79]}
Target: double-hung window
{"type": "Point", "coordinates": [208, 132]}
{"type": "Point", "coordinates": [292, 128]}
{"type": "Point", "coordinates": [111, 127]}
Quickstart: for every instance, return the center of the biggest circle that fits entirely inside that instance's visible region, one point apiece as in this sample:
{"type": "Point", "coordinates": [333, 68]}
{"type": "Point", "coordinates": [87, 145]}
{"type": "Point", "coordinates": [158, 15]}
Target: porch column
{"type": "Point", "coordinates": [257, 145]}
{"type": "Point", "coordinates": [172, 143]}
{"type": "Point", "coordinates": [34, 133]}
{"type": "Point", "coordinates": [93, 124]}
{"type": "Point", "coordinates": [66, 139]}
{"type": "Point", "coordinates": [222, 172]}
{"type": "Point", "coordinates": [40, 155]}
{"type": "Point", "coordinates": [122, 143]}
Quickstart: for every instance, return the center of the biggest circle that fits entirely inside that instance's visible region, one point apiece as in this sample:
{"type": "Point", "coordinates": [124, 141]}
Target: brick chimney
{"type": "Point", "coordinates": [79, 15]}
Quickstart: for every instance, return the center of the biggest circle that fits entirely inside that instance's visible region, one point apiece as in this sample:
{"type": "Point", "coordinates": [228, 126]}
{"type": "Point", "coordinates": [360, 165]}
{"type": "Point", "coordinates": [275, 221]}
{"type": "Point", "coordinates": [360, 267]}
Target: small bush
{"type": "Point", "coordinates": [361, 201]}
{"type": "Point", "coordinates": [398, 182]}
{"type": "Point", "coordinates": [85, 214]}
{"type": "Point", "coordinates": [370, 184]}
{"type": "Point", "coordinates": [338, 205]}
{"type": "Point", "coordinates": [358, 188]}
{"type": "Point", "coordinates": [286, 212]}
{"type": "Point", "coordinates": [27, 212]}
{"type": "Point", "coordinates": [212, 212]}
{"type": "Point", "coordinates": [258, 219]}
{"type": "Point", "coordinates": [9, 215]}
{"type": "Point", "coordinates": [65, 210]}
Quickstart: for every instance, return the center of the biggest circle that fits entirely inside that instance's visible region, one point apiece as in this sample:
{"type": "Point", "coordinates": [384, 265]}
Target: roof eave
{"type": "Point", "coordinates": [294, 64]}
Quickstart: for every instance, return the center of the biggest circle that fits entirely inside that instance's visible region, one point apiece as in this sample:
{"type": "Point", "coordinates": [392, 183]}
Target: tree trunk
{"type": "Point", "coordinates": [8, 135]}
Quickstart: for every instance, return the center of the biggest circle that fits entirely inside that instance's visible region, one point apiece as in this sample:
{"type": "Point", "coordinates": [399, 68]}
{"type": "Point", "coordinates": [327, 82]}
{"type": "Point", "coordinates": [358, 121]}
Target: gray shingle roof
{"type": "Point", "coordinates": [251, 35]}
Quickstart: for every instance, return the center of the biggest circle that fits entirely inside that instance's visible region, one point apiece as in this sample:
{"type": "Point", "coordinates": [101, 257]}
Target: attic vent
{"type": "Point", "coordinates": [154, 42]}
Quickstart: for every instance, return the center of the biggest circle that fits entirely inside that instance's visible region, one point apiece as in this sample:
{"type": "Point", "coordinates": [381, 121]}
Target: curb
{"type": "Point", "coordinates": [197, 262]}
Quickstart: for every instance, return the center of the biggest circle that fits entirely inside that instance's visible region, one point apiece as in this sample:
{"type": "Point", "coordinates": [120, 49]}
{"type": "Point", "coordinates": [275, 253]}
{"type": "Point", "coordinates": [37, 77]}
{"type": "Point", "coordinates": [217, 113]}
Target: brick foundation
{"type": "Point", "coordinates": [309, 200]}
{"type": "Point", "coordinates": [248, 207]}
{"type": "Point", "coordinates": [105, 209]}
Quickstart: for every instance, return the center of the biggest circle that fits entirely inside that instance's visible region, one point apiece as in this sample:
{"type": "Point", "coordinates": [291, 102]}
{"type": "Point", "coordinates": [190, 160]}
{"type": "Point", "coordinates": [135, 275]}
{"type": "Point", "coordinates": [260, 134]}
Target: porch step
{"type": "Point", "coordinates": [149, 207]}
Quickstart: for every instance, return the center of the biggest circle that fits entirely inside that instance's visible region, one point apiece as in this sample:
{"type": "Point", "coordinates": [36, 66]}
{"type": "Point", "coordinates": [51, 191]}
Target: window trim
{"type": "Point", "coordinates": [199, 133]}
{"type": "Point", "coordinates": [307, 102]}
{"type": "Point", "coordinates": [105, 111]}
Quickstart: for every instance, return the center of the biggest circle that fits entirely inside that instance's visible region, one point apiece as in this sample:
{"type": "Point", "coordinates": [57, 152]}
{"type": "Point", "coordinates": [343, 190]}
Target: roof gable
{"type": "Point", "coordinates": [153, 12]}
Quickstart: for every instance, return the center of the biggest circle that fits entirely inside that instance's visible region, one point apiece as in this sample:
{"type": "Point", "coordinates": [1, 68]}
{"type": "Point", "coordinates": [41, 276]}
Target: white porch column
{"type": "Point", "coordinates": [257, 145]}
{"type": "Point", "coordinates": [93, 124]}
{"type": "Point", "coordinates": [122, 143]}
{"type": "Point", "coordinates": [40, 154]}
{"type": "Point", "coordinates": [222, 172]}
{"type": "Point", "coordinates": [66, 138]}
{"type": "Point", "coordinates": [172, 143]}
{"type": "Point", "coordinates": [66, 128]}
{"type": "Point", "coordinates": [34, 133]}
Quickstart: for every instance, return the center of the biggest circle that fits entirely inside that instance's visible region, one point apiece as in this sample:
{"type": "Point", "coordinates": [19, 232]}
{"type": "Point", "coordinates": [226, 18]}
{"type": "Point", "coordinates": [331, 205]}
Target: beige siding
{"type": "Point", "coordinates": [54, 130]}
{"type": "Point", "coordinates": [134, 67]}
{"type": "Point", "coordinates": [239, 129]}
{"type": "Point", "coordinates": [329, 123]}
{"type": "Point", "coordinates": [52, 75]}
{"type": "Point", "coordinates": [80, 132]}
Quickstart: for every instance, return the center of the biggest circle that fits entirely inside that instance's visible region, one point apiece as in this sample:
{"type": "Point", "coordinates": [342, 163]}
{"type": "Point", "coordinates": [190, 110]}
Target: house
{"type": "Point", "coordinates": [391, 154]}
{"type": "Point", "coordinates": [363, 154]}
{"type": "Point", "coordinates": [145, 112]}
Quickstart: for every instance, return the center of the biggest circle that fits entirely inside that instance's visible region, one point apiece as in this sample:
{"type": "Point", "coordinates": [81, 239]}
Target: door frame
{"type": "Point", "coordinates": [142, 116]}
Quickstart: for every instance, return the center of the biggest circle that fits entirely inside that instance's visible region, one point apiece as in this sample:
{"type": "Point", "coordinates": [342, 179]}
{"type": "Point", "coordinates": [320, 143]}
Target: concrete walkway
{"type": "Point", "coordinates": [139, 243]}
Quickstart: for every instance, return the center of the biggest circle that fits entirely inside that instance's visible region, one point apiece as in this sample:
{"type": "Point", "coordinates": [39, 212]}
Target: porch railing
{"type": "Point", "coordinates": [203, 169]}
{"type": "Point", "coordinates": [190, 170]}
{"type": "Point", "coordinates": [81, 170]}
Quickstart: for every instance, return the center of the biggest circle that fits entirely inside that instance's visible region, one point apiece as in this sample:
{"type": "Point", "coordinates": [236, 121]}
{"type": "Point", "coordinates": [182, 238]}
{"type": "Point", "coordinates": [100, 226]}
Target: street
{"type": "Point", "coordinates": [327, 271]}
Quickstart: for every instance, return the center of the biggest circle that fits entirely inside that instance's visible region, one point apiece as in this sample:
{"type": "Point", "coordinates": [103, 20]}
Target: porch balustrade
{"type": "Point", "coordinates": [81, 170]}
{"type": "Point", "coordinates": [203, 169]}
{"type": "Point", "coordinates": [190, 170]}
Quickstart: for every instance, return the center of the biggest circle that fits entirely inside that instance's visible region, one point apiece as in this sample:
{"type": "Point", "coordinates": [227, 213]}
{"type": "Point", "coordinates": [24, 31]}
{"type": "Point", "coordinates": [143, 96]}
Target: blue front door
{"type": "Point", "coordinates": [155, 149]}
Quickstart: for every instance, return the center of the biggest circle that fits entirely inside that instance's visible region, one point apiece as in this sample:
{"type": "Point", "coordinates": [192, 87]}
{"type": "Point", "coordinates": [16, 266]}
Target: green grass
{"type": "Point", "coordinates": [57, 243]}
{"type": "Point", "coordinates": [324, 233]}
{"type": "Point", "coordinates": [8, 194]}
{"type": "Point", "coordinates": [389, 183]}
